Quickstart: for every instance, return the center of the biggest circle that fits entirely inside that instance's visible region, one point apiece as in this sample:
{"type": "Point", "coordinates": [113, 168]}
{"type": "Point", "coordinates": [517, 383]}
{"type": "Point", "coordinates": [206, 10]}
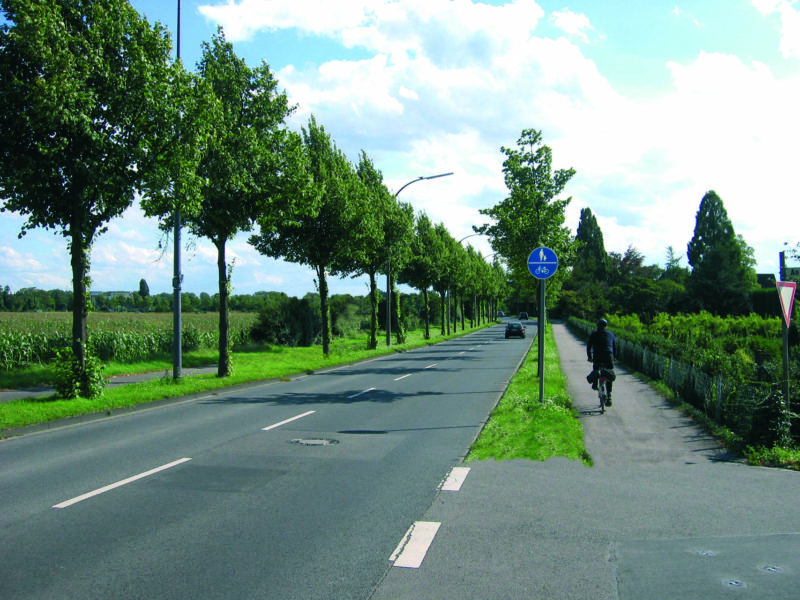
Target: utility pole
{"type": "Point", "coordinates": [177, 277]}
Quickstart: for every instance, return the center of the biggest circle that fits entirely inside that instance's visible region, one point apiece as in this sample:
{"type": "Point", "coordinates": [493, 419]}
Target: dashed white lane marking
{"type": "Point", "coordinates": [108, 488]}
{"type": "Point", "coordinates": [411, 550]}
{"type": "Point", "coordinates": [431, 366]}
{"type": "Point", "coordinates": [305, 414]}
{"type": "Point", "coordinates": [360, 393]}
{"type": "Point", "coordinates": [402, 377]}
{"type": "Point", "coordinates": [455, 479]}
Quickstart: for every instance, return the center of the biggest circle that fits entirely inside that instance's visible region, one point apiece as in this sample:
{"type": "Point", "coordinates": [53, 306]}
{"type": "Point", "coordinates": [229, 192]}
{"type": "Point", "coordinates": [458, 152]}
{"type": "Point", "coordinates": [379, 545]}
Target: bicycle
{"type": "Point", "coordinates": [602, 393]}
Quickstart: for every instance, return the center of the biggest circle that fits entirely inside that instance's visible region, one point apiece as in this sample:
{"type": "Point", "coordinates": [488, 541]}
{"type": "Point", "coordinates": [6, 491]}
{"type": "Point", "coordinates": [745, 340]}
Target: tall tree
{"type": "Point", "coordinates": [240, 162]}
{"type": "Point", "coordinates": [420, 269]}
{"type": "Point", "coordinates": [398, 234]}
{"type": "Point", "coordinates": [591, 259]}
{"type": "Point", "coordinates": [722, 276]}
{"type": "Point", "coordinates": [531, 215]}
{"type": "Point", "coordinates": [370, 252]}
{"type": "Point", "coordinates": [81, 85]}
{"type": "Point", "coordinates": [320, 236]}
{"type": "Point", "coordinates": [445, 271]}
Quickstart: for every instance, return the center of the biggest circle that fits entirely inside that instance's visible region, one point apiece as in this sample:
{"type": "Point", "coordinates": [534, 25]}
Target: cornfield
{"type": "Point", "coordinates": [34, 338]}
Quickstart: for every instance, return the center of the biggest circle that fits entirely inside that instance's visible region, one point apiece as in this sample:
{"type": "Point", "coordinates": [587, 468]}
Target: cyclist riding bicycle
{"type": "Point", "coordinates": [601, 351]}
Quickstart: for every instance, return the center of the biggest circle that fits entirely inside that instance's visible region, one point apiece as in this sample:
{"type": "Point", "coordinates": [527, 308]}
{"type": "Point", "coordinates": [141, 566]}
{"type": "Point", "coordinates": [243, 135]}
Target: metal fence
{"type": "Point", "coordinates": [754, 410]}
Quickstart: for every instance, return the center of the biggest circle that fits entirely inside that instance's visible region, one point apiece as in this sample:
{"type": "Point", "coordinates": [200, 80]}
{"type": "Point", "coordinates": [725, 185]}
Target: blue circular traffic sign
{"type": "Point", "coordinates": [542, 263]}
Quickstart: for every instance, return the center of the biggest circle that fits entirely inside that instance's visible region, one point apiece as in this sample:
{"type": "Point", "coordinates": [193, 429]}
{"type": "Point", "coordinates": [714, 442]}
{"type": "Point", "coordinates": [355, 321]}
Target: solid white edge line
{"type": "Point", "coordinates": [411, 550]}
{"type": "Point", "coordinates": [108, 488]}
{"type": "Point", "coordinates": [305, 414]}
{"type": "Point", "coordinates": [403, 377]}
{"type": "Point", "coordinates": [360, 393]}
{"type": "Point", "coordinates": [455, 479]}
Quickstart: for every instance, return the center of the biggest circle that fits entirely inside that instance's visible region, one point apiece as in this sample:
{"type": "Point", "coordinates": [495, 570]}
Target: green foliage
{"type": "Point", "coordinates": [293, 322]}
{"type": "Point", "coordinates": [324, 235]}
{"type": "Point", "coordinates": [71, 381]}
{"type": "Point", "coordinates": [722, 276]}
{"type": "Point", "coordinates": [591, 261]}
{"type": "Point", "coordinates": [81, 86]}
{"type": "Point", "coordinates": [776, 456]}
{"type": "Point", "coordinates": [35, 338]}
{"type": "Point", "coordinates": [531, 215]}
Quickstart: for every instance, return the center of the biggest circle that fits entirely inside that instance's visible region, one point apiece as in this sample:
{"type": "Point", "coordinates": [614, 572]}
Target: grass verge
{"type": "Point", "coordinates": [249, 367]}
{"type": "Point", "coordinates": [521, 427]}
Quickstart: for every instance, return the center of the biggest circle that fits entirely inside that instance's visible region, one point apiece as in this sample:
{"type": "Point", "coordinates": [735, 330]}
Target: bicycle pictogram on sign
{"type": "Point", "coordinates": [542, 263]}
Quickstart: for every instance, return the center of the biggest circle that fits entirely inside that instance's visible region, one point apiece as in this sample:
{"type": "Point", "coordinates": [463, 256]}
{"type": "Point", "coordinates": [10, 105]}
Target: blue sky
{"type": "Point", "coordinates": [652, 103]}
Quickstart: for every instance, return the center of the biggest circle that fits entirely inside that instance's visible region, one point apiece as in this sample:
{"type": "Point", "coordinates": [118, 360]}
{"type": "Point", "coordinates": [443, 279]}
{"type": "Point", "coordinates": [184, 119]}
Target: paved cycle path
{"type": "Point", "coordinates": [663, 513]}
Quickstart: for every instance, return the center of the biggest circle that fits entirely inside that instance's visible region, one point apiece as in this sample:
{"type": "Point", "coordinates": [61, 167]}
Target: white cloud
{"type": "Point", "coordinates": [574, 24]}
{"type": "Point", "coordinates": [442, 84]}
{"type": "Point", "coordinates": [789, 23]}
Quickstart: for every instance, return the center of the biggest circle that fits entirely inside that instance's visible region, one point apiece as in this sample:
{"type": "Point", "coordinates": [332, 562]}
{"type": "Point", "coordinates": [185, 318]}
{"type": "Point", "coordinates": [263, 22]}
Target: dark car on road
{"type": "Point", "coordinates": [514, 328]}
{"type": "Point", "coordinates": [523, 316]}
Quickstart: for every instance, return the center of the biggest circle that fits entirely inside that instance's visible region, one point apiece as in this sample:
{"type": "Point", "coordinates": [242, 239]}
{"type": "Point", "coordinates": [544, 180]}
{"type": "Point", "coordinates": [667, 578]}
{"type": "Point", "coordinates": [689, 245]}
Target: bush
{"type": "Point", "coordinates": [71, 383]}
{"type": "Point", "coordinates": [291, 322]}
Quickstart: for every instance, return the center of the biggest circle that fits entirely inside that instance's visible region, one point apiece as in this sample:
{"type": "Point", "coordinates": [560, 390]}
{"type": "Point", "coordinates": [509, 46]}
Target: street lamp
{"type": "Point", "coordinates": [177, 277]}
{"type": "Point", "coordinates": [389, 262]}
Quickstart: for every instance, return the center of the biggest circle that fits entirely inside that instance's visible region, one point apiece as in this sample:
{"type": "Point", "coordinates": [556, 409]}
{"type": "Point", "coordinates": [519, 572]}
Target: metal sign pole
{"type": "Point", "coordinates": [540, 334]}
{"type": "Point", "coordinates": [542, 263]}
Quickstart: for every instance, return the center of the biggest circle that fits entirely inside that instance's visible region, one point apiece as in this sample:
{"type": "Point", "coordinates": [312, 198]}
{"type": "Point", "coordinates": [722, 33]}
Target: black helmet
{"type": "Point", "coordinates": [602, 323]}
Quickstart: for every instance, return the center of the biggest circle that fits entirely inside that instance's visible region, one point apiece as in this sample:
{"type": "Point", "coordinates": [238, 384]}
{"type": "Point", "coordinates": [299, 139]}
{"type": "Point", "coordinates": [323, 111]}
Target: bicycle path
{"type": "Point", "coordinates": [664, 513]}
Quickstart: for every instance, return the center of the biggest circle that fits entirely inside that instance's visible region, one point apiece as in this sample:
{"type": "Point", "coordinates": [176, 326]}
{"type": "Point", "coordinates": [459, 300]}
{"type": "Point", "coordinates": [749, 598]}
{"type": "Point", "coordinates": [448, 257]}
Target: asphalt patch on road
{"type": "Point", "coordinates": [761, 566]}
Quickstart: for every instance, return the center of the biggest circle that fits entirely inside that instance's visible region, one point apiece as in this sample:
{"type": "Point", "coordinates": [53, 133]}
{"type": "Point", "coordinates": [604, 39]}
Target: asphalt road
{"type": "Point", "coordinates": [664, 513]}
{"type": "Point", "coordinates": [303, 489]}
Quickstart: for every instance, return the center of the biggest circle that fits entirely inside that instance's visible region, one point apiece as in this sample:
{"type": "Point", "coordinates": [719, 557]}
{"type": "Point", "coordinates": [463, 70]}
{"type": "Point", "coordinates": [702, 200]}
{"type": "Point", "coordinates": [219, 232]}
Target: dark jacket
{"type": "Point", "coordinates": [601, 347]}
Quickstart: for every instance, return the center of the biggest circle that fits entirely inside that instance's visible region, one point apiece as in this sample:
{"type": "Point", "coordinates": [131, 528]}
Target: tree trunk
{"type": "Point", "coordinates": [373, 320]}
{"type": "Point", "coordinates": [399, 330]}
{"type": "Point", "coordinates": [79, 256]}
{"type": "Point", "coordinates": [427, 316]}
{"type": "Point", "coordinates": [449, 313]}
{"type": "Point", "coordinates": [324, 310]}
{"type": "Point", "coordinates": [442, 296]}
{"type": "Point", "coordinates": [224, 365]}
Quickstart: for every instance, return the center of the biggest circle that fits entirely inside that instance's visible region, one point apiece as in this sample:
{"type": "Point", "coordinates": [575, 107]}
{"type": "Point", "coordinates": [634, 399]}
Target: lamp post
{"type": "Point", "coordinates": [176, 279]}
{"type": "Point", "coordinates": [389, 262]}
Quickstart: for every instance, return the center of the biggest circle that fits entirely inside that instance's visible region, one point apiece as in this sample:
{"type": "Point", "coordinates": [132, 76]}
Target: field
{"type": "Point", "coordinates": [33, 338]}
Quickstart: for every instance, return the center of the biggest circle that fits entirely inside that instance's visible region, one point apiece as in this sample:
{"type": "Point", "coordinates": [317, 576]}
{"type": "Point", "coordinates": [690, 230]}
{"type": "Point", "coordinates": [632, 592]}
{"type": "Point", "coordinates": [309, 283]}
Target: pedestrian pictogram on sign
{"type": "Point", "coordinates": [786, 290]}
{"type": "Point", "coordinates": [542, 263]}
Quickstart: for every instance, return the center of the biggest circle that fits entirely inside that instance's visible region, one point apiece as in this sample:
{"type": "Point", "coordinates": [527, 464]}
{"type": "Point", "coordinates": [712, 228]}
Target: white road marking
{"type": "Point", "coordinates": [108, 488]}
{"type": "Point", "coordinates": [276, 425]}
{"type": "Point", "coordinates": [403, 377]}
{"type": "Point", "coordinates": [431, 366]}
{"type": "Point", "coordinates": [455, 479]}
{"type": "Point", "coordinates": [460, 353]}
{"type": "Point", "coordinates": [411, 550]}
{"type": "Point", "coordinates": [360, 393]}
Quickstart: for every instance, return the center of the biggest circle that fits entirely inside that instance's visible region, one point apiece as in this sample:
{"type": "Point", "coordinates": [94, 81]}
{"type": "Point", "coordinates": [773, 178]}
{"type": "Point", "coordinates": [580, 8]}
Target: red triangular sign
{"type": "Point", "coordinates": [786, 290]}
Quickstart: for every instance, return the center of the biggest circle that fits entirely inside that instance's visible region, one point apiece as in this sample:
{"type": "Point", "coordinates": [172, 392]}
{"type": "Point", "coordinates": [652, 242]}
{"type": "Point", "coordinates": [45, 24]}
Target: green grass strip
{"type": "Point", "coordinates": [522, 427]}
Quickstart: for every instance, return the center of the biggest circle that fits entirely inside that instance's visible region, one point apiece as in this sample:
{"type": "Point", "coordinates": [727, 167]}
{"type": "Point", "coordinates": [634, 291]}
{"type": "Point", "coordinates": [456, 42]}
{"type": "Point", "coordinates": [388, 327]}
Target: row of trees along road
{"type": "Point", "coordinates": [94, 110]}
